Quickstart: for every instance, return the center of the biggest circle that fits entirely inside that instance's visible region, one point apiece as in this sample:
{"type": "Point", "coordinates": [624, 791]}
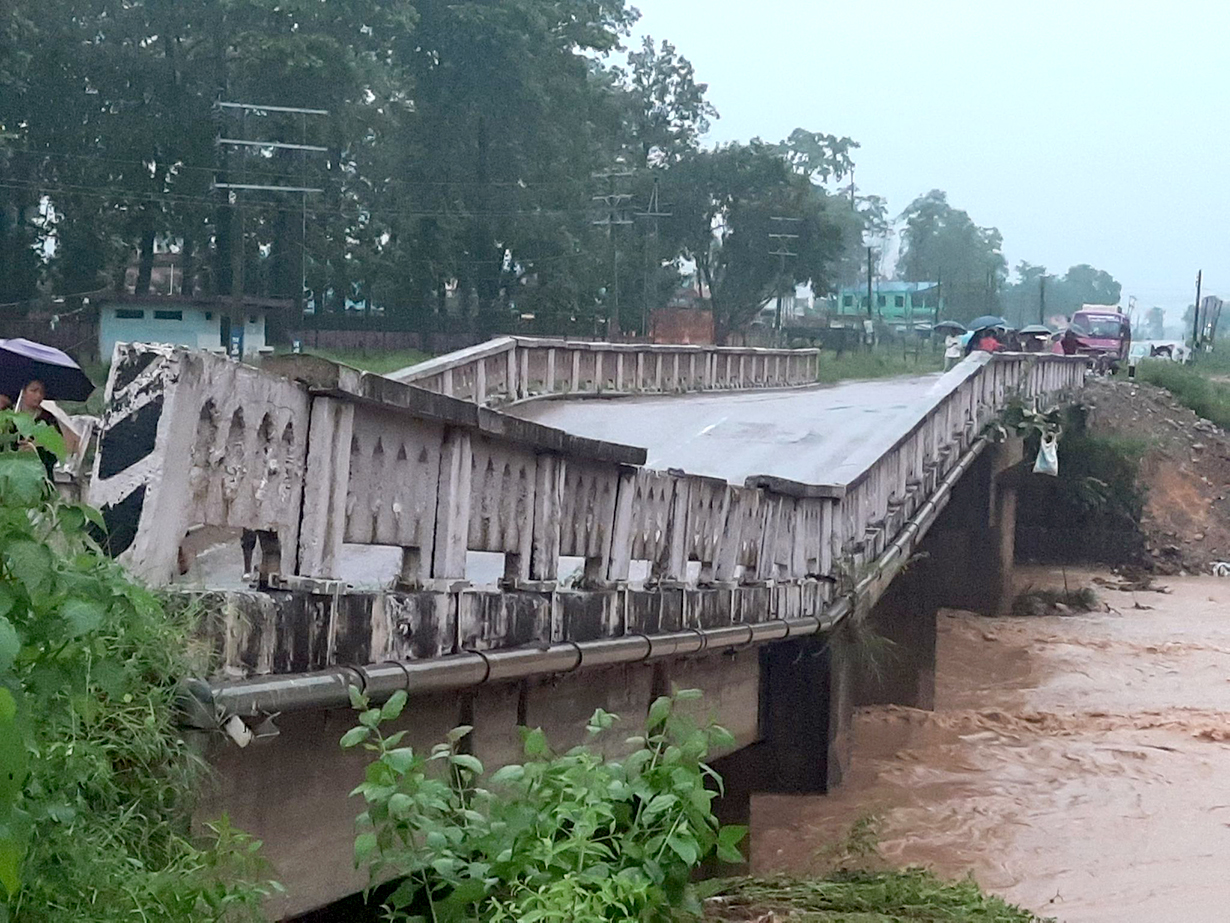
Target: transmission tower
{"type": "Point", "coordinates": [781, 239]}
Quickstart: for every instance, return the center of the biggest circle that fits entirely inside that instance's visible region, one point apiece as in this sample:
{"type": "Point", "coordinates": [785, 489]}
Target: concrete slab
{"type": "Point", "coordinates": [796, 435]}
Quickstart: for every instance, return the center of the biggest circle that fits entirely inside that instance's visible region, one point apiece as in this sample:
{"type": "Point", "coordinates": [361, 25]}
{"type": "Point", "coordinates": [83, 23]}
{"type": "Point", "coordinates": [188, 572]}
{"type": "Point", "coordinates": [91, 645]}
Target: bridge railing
{"type": "Point", "coordinates": [313, 456]}
{"type": "Point", "coordinates": [511, 369]}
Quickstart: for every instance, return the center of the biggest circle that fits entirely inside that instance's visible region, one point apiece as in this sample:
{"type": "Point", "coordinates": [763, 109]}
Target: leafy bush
{"type": "Point", "coordinates": [570, 837]}
{"type": "Point", "coordinates": [96, 783]}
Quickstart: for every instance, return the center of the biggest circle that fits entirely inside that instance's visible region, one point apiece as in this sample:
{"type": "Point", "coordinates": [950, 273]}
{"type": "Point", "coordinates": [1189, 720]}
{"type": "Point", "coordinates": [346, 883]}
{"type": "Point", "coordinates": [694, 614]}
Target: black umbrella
{"type": "Point", "coordinates": [988, 320]}
{"type": "Point", "coordinates": [1036, 330]}
{"type": "Point", "coordinates": [23, 361]}
{"type": "Point", "coordinates": [953, 325]}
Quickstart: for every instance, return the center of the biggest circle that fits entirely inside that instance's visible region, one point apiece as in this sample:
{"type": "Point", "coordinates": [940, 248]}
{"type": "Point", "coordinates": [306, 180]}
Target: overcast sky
{"type": "Point", "coordinates": [1086, 131]}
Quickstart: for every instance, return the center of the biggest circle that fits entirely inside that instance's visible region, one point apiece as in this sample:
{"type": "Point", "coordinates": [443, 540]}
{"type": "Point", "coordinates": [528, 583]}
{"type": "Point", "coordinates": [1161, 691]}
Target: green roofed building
{"type": "Point", "coordinates": [893, 302]}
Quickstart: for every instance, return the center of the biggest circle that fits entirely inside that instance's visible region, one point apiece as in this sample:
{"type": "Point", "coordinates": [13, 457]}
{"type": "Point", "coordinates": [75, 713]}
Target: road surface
{"type": "Point", "coordinates": [798, 435]}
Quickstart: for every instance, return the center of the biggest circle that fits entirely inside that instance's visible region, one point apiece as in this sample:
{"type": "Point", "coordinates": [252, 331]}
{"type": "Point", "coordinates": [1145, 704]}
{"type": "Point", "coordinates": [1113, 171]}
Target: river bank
{"type": "Point", "coordinates": [1075, 765]}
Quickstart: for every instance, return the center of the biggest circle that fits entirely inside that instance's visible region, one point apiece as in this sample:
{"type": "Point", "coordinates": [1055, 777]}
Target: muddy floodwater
{"type": "Point", "coordinates": [1077, 765]}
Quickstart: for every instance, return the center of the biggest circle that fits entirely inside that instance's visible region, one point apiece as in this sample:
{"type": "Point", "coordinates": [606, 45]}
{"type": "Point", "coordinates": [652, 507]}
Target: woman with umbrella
{"type": "Point", "coordinates": [31, 373]}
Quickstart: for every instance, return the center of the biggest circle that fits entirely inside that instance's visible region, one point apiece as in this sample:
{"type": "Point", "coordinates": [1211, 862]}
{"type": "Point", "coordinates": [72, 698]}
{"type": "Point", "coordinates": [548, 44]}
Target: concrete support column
{"type": "Point", "coordinates": [897, 663]}
{"type": "Point", "coordinates": [971, 546]}
{"type": "Point", "coordinates": [806, 721]}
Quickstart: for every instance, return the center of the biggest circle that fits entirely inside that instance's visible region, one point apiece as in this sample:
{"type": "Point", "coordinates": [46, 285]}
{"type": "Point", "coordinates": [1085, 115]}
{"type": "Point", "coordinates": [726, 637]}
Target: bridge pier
{"type": "Point", "coordinates": [965, 562]}
{"type": "Point", "coordinates": [806, 709]}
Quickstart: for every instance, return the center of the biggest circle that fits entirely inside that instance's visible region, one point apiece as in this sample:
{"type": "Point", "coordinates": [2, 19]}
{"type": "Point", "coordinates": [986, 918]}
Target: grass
{"type": "Point", "coordinates": [1193, 386]}
{"type": "Point", "coordinates": [381, 362]}
{"type": "Point", "coordinates": [879, 363]}
{"type": "Point", "coordinates": [861, 897]}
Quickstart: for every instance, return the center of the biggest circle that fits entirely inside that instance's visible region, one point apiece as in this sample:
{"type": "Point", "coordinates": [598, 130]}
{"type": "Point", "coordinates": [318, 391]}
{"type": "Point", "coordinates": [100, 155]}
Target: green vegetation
{"type": "Point", "coordinates": [879, 363]}
{"type": "Point", "coordinates": [96, 783]}
{"type": "Point", "coordinates": [1195, 386]}
{"type": "Point", "coordinates": [379, 361]}
{"type": "Point", "coordinates": [909, 896]}
{"type": "Point", "coordinates": [568, 837]}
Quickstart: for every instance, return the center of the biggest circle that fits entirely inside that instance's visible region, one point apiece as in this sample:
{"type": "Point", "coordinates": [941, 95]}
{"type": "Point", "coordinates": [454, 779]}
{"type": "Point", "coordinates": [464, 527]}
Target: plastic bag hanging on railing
{"type": "Point", "coordinates": [1047, 461]}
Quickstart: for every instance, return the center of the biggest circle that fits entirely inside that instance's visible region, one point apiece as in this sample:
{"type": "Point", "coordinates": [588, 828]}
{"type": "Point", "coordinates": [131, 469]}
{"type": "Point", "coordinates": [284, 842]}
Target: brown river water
{"type": "Point", "coordinates": [1075, 765]}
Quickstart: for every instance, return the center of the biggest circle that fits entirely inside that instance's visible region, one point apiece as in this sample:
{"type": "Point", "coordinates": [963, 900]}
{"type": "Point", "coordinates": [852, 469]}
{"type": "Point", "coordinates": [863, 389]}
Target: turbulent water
{"type": "Point", "coordinates": [1078, 766]}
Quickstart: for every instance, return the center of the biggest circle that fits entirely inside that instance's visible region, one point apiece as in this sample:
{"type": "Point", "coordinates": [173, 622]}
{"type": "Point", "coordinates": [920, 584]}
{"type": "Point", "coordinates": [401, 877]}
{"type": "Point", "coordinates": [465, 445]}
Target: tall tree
{"type": "Point", "coordinates": [941, 241]}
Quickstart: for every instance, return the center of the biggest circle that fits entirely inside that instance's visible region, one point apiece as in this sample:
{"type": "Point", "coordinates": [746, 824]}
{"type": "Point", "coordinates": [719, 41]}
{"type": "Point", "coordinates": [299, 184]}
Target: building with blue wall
{"type": "Point", "coordinates": [200, 323]}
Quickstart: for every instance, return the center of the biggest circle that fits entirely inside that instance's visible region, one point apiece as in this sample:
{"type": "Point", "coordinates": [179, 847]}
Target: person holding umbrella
{"type": "Point", "coordinates": [34, 373]}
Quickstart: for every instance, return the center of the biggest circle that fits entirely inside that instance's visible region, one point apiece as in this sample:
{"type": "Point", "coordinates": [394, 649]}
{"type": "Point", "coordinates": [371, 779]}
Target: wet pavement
{"type": "Point", "coordinates": [800, 435]}
{"type": "Point", "coordinates": [1077, 765]}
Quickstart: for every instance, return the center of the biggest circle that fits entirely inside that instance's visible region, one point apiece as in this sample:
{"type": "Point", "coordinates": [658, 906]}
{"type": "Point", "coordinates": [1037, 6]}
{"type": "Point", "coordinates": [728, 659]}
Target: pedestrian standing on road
{"type": "Point", "coordinates": [952, 350]}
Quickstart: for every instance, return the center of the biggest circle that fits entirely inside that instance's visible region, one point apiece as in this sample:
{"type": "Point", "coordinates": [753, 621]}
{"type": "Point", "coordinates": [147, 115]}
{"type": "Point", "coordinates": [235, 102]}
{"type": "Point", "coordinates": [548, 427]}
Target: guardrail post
{"type": "Point", "coordinates": [326, 483]}
{"type": "Point", "coordinates": [453, 507]}
{"type": "Point", "coordinates": [548, 507]}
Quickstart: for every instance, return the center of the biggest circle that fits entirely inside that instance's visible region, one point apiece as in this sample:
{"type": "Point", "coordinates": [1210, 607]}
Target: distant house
{"type": "Point", "coordinates": [179, 320]}
{"type": "Point", "coordinates": [893, 302]}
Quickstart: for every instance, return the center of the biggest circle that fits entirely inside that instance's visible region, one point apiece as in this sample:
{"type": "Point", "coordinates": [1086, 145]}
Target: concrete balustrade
{"type": "Point", "coordinates": [509, 370]}
{"type": "Point", "coordinates": [194, 439]}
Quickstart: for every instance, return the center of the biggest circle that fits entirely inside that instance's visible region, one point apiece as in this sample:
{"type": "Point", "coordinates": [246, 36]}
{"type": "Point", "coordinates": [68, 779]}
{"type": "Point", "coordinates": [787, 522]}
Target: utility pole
{"type": "Point", "coordinates": [782, 241]}
{"type": "Point", "coordinates": [869, 276]}
{"type": "Point", "coordinates": [233, 190]}
{"type": "Point", "coordinates": [1042, 299]}
{"type": "Point", "coordinates": [616, 215]}
{"type": "Point", "coordinates": [939, 296]}
{"type": "Point", "coordinates": [654, 212]}
{"type": "Point", "coordinates": [1196, 316]}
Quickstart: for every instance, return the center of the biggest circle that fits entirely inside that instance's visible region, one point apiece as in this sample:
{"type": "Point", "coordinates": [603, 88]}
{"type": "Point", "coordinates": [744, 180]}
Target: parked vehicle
{"type": "Point", "coordinates": [1101, 332]}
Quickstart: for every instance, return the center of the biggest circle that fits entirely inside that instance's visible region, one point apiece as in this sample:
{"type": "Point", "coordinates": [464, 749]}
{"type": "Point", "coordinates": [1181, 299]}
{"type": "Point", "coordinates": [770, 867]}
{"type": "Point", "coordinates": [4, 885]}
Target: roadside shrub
{"type": "Point", "coordinates": [96, 783]}
{"type": "Point", "coordinates": [567, 837]}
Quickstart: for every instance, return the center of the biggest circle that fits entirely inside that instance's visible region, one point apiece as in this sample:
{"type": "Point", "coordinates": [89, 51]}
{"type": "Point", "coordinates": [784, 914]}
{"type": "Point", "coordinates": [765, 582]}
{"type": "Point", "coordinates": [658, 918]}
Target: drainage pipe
{"type": "Point", "coordinates": [331, 688]}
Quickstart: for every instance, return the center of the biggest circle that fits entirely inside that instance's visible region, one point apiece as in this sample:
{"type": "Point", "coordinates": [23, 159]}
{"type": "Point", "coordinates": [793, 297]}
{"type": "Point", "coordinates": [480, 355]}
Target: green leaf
{"type": "Point", "coordinates": [400, 760]}
{"type": "Point", "coordinates": [535, 743]}
{"type": "Point", "coordinates": [467, 762]}
{"type": "Point", "coordinates": [370, 718]}
{"type": "Point", "coordinates": [11, 853]}
{"type": "Point", "coordinates": [684, 848]}
{"type": "Point", "coordinates": [7, 600]}
{"type": "Point", "coordinates": [400, 805]}
{"type": "Point", "coordinates": [364, 846]}
{"type": "Point", "coordinates": [732, 835]}
{"type": "Point", "coordinates": [658, 712]}
{"type": "Point", "coordinates": [83, 616]}
{"type": "Point", "coordinates": [8, 706]}
{"type": "Point", "coordinates": [688, 695]}
{"type": "Point", "coordinates": [49, 438]}
{"type": "Point", "coordinates": [22, 479]}
{"type": "Point", "coordinates": [30, 563]}
{"type": "Point", "coordinates": [660, 803]}
{"type": "Point", "coordinates": [393, 707]}
{"type": "Point", "coordinates": [354, 737]}
{"type": "Point", "coordinates": [506, 774]}
{"type": "Point", "coordinates": [10, 645]}
{"type": "Point", "coordinates": [456, 735]}
{"type": "Point", "coordinates": [358, 701]}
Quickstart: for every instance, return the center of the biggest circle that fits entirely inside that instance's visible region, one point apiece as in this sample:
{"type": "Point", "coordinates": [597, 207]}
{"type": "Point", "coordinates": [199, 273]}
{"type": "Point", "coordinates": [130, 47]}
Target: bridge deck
{"type": "Point", "coordinates": [799, 435]}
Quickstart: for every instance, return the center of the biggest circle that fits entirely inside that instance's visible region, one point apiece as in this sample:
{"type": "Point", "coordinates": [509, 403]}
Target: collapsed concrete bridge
{"type": "Point", "coordinates": [738, 586]}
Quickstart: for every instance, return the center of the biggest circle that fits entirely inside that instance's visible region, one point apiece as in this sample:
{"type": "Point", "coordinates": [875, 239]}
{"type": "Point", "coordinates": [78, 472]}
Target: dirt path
{"type": "Point", "coordinates": [1076, 765]}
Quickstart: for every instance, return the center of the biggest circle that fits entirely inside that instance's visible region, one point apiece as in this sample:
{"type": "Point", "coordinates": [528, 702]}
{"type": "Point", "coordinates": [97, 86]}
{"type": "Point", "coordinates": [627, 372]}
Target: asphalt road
{"type": "Point", "coordinates": [798, 435]}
